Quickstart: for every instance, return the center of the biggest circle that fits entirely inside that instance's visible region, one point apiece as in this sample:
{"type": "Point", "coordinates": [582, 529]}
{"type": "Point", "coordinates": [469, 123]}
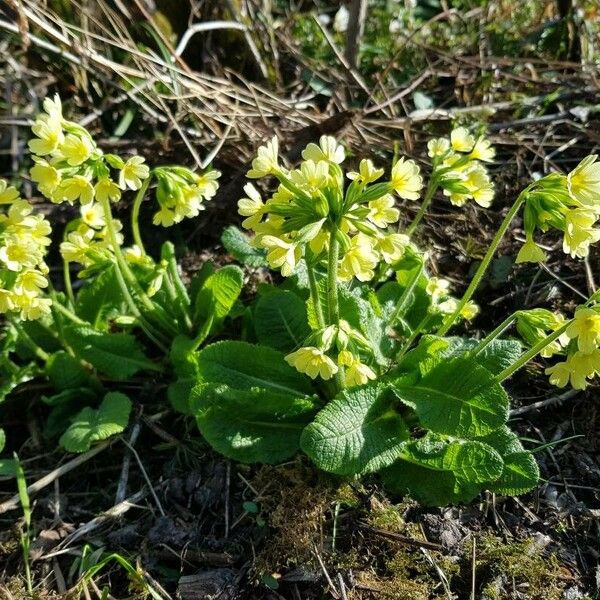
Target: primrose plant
{"type": "Point", "coordinates": [349, 358]}
{"type": "Point", "coordinates": [126, 312]}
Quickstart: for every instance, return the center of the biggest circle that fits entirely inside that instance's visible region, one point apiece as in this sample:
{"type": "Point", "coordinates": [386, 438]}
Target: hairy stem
{"type": "Point", "coordinates": [432, 187]}
{"type": "Point", "coordinates": [405, 297]}
{"type": "Point", "coordinates": [316, 298]}
{"type": "Point", "coordinates": [332, 292]}
{"type": "Point", "coordinates": [135, 215]}
{"type": "Point", "coordinates": [497, 332]}
{"type": "Point", "coordinates": [532, 353]}
{"type": "Point", "coordinates": [27, 340]}
{"type": "Point", "coordinates": [485, 263]}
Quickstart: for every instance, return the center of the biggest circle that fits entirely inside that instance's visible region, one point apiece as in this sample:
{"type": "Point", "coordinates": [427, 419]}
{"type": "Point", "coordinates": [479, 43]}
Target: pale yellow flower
{"type": "Point", "coordinates": [392, 246]}
{"type": "Point", "coordinates": [93, 215]}
{"type": "Point", "coordinates": [438, 147]}
{"type": "Point", "coordinates": [19, 252]}
{"type": "Point", "coordinates": [251, 206]}
{"type": "Point", "coordinates": [577, 369]}
{"type": "Point", "coordinates": [34, 308]}
{"type": "Point", "coordinates": [107, 189]}
{"type": "Point", "coordinates": [367, 172]}
{"type": "Point", "coordinates": [469, 311]}
{"type": "Point", "coordinates": [359, 260]}
{"type": "Point", "coordinates": [76, 149]}
{"type": "Point", "coordinates": [462, 140]}
{"type": "Point", "coordinates": [477, 181]}
{"type": "Point", "coordinates": [312, 361]}
{"type": "Point", "coordinates": [405, 179]}
{"type": "Point", "coordinates": [483, 151]}
{"type": "Point", "coordinates": [207, 184]}
{"type": "Point", "coordinates": [328, 150]}
{"type": "Point", "coordinates": [584, 181]}
{"type": "Point", "coordinates": [266, 161]}
{"type": "Point", "coordinates": [586, 329]}
{"type": "Point", "coordinates": [281, 254]}
{"type": "Point", "coordinates": [8, 194]}
{"type": "Point", "coordinates": [49, 135]}
{"type": "Point", "coordinates": [579, 232]}
{"type": "Point", "coordinates": [30, 283]}
{"type": "Point", "coordinates": [437, 288]}
{"type": "Point", "coordinates": [46, 176]}
{"type": "Point", "coordinates": [164, 217]}
{"type": "Point", "coordinates": [132, 174]}
{"type": "Point", "coordinates": [74, 188]}
{"type": "Point", "coordinates": [383, 211]}
{"type": "Point", "coordinates": [6, 301]}
{"type": "Point", "coordinates": [311, 174]}
{"type": "Point", "coordinates": [77, 245]}
{"type": "Point", "coordinates": [357, 373]}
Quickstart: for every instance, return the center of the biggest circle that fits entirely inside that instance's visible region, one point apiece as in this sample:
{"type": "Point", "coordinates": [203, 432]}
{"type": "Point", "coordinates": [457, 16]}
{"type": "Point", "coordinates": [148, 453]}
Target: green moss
{"type": "Point", "coordinates": [522, 565]}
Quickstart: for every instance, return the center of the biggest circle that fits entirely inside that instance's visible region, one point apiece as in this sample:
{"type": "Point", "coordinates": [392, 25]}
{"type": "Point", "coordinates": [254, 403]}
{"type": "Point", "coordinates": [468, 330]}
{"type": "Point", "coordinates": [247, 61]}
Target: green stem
{"type": "Point", "coordinates": [429, 194]}
{"type": "Point", "coordinates": [135, 215]}
{"type": "Point", "coordinates": [316, 298]}
{"type": "Point", "coordinates": [123, 272]}
{"type": "Point", "coordinates": [67, 280]}
{"type": "Point", "coordinates": [413, 336]}
{"type": "Point", "coordinates": [531, 353]}
{"type": "Point", "coordinates": [488, 339]}
{"type": "Point", "coordinates": [485, 263]}
{"type": "Point", "coordinates": [67, 313]}
{"type": "Point", "coordinates": [202, 334]}
{"type": "Point", "coordinates": [27, 340]}
{"type": "Point", "coordinates": [332, 292]}
{"type": "Point", "coordinates": [405, 297]}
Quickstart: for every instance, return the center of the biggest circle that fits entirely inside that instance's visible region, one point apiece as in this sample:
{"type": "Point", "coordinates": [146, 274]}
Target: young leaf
{"type": "Point", "coordinates": [218, 295]}
{"type": "Point", "coordinates": [237, 243]}
{"type": "Point", "coordinates": [458, 398]}
{"type": "Point", "coordinates": [521, 472]}
{"type": "Point", "coordinates": [66, 372]}
{"type": "Point", "coordinates": [114, 354]}
{"type": "Point", "coordinates": [257, 425]}
{"type": "Point", "coordinates": [91, 425]}
{"type": "Point", "coordinates": [435, 471]}
{"type": "Point", "coordinates": [246, 366]}
{"type": "Point", "coordinates": [98, 298]}
{"type": "Point", "coordinates": [280, 320]}
{"type": "Point", "coordinates": [360, 431]}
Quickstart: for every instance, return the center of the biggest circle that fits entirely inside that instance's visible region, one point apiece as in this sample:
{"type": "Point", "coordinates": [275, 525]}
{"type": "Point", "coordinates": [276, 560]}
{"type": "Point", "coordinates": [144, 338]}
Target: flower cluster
{"type": "Point", "coordinates": [443, 303]}
{"type": "Point", "coordinates": [24, 238]}
{"type": "Point", "coordinates": [582, 348]}
{"type": "Point", "coordinates": [459, 167]}
{"type": "Point", "coordinates": [345, 344]}
{"type": "Point", "coordinates": [180, 193]}
{"type": "Point", "coordinates": [311, 205]}
{"type": "Point", "coordinates": [569, 203]}
{"type": "Point", "coordinates": [69, 167]}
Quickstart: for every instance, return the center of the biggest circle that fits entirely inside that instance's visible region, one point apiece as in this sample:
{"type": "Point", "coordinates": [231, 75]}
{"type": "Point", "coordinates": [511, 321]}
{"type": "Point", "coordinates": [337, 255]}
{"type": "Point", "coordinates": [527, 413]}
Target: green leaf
{"type": "Point", "coordinates": [257, 425]}
{"type": "Point", "coordinates": [65, 371]}
{"type": "Point", "coordinates": [7, 466]}
{"type": "Point", "coordinates": [246, 366]}
{"type": "Point", "coordinates": [99, 298]}
{"type": "Point", "coordinates": [2, 439]}
{"type": "Point", "coordinates": [495, 357]}
{"type": "Point", "coordinates": [91, 425]}
{"type": "Point", "coordinates": [117, 355]}
{"type": "Point", "coordinates": [359, 431]}
{"type": "Point", "coordinates": [435, 471]}
{"type": "Point", "coordinates": [218, 295]}
{"type": "Point", "coordinates": [280, 321]}
{"type": "Point", "coordinates": [457, 397]}
{"type": "Point", "coordinates": [521, 472]}
{"type": "Point", "coordinates": [237, 243]}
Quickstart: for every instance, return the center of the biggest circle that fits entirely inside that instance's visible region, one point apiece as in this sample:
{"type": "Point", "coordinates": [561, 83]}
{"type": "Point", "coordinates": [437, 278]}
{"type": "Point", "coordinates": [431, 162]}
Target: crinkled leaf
{"type": "Point", "coordinates": [359, 431]}
{"type": "Point", "coordinates": [258, 425]}
{"type": "Point", "coordinates": [237, 243]}
{"type": "Point", "coordinates": [521, 472]}
{"type": "Point", "coordinates": [91, 425]}
{"type": "Point", "coordinates": [246, 366]}
{"type": "Point", "coordinates": [218, 295]}
{"type": "Point", "coordinates": [117, 355]}
{"type": "Point", "coordinates": [456, 397]}
{"type": "Point", "coordinates": [65, 371]}
{"type": "Point", "coordinates": [99, 298]}
{"type": "Point", "coordinates": [436, 471]}
{"type": "Point", "coordinates": [280, 321]}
